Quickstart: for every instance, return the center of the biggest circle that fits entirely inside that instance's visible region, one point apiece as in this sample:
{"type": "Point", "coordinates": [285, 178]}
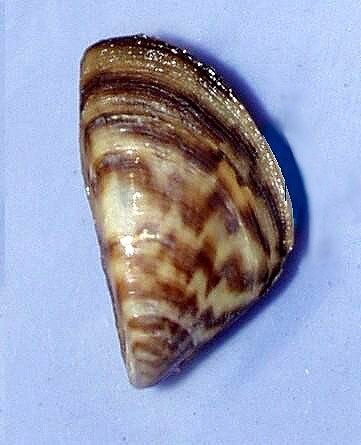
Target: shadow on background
{"type": "Point", "coordinates": [296, 188]}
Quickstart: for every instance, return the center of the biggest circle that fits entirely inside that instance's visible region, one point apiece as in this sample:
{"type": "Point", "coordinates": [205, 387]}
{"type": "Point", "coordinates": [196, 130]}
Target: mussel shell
{"type": "Point", "coordinates": [192, 213]}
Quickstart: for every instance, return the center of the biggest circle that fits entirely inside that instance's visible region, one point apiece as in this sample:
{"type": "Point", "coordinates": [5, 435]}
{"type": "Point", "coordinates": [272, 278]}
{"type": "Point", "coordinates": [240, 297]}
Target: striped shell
{"type": "Point", "coordinates": [191, 210]}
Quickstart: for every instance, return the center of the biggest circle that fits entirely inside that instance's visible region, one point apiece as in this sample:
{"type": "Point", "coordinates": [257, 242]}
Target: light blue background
{"type": "Point", "coordinates": [291, 372]}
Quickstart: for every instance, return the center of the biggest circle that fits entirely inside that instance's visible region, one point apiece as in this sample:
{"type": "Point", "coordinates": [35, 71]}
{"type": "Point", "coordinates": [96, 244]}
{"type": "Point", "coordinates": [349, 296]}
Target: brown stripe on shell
{"type": "Point", "coordinates": [160, 351]}
{"type": "Point", "coordinates": [205, 261]}
{"type": "Point", "coordinates": [219, 132]}
{"type": "Point", "coordinates": [123, 163]}
{"type": "Point", "coordinates": [262, 190]}
{"type": "Point", "coordinates": [169, 292]}
{"type": "Point", "coordinates": [219, 200]}
{"type": "Point", "coordinates": [279, 223]}
{"type": "Point", "coordinates": [114, 251]}
{"type": "Point", "coordinates": [135, 106]}
{"type": "Point", "coordinates": [165, 337]}
{"type": "Point", "coordinates": [129, 167]}
{"type": "Point", "coordinates": [155, 126]}
{"type": "Point", "coordinates": [141, 102]}
{"type": "Point", "coordinates": [210, 321]}
{"type": "Point", "coordinates": [158, 342]}
{"type": "Point", "coordinates": [155, 355]}
{"type": "Point", "coordinates": [216, 171]}
{"type": "Point", "coordinates": [208, 317]}
{"type": "Point", "coordinates": [181, 255]}
{"type": "Point", "coordinates": [195, 213]}
{"type": "Point", "coordinates": [186, 260]}
{"type": "Point", "coordinates": [154, 324]}
{"type": "Point", "coordinates": [231, 270]}
{"type": "Point", "coordinates": [192, 148]}
{"type": "Point", "coordinates": [237, 279]}
{"type": "Point", "coordinates": [115, 83]}
{"type": "Point", "coordinates": [250, 220]}
{"type": "Point", "coordinates": [147, 42]}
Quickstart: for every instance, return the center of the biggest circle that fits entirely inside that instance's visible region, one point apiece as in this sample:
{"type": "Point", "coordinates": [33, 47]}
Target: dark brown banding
{"type": "Point", "coordinates": [186, 260]}
{"type": "Point", "coordinates": [262, 190]}
{"type": "Point", "coordinates": [232, 270]}
{"type": "Point", "coordinates": [204, 157]}
{"type": "Point", "coordinates": [162, 347]}
{"type": "Point", "coordinates": [140, 101]}
{"type": "Point", "coordinates": [250, 220]}
{"type": "Point", "coordinates": [192, 215]}
{"type": "Point", "coordinates": [146, 42]}
{"type": "Point", "coordinates": [195, 212]}
{"type": "Point", "coordinates": [219, 200]}
{"type": "Point", "coordinates": [237, 279]}
{"type": "Point", "coordinates": [192, 182]}
{"type": "Point", "coordinates": [124, 163]}
{"type": "Point", "coordinates": [209, 320]}
{"type": "Point", "coordinates": [153, 347]}
{"type": "Point", "coordinates": [270, 200]}
{"type": "Point", "coordinates": [116, 83]}
{"type": "Point", "coordinates": [181, 255]}
{"type": "Point", "coordinates": [131, 168]}
{"type": "Point", "coordinates": [169, 292]}
{"type": "Point", "coordinates": [191, 147]}
{"type": "Point", "coordinates": [273, 274]}
{"type": "Point", "coordinates": [205, 261]}
{"type": "Point", "coordinates": [172, 293]}
{"type": "Point", "coordinates": [107, 81]}
{"type": "Point", "coordinates": [148, 323]}
{"type": "Point", "coordinates": [263, 275]}
{"type": "Point", "coordinates": [114, 250]}
{"type": "Point", "coordinates": [153, 325]}
{"type": "Point", "coordinates": [207, 316]}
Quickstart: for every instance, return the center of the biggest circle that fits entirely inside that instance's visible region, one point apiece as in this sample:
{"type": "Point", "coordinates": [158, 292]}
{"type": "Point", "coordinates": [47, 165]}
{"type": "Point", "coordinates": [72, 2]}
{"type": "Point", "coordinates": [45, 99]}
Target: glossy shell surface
{"type": "Point", "coordinates": [191, 210]}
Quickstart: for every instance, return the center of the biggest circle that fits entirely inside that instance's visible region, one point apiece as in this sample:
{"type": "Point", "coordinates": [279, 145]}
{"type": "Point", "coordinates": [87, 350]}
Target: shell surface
{"type": "Point", "coordinates": [191, 210]}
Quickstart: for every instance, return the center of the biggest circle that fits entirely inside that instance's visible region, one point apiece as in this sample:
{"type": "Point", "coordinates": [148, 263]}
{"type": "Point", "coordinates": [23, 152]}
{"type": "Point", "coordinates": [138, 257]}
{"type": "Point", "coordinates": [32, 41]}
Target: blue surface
{"type": "Point", "coordinates": [290, 372]}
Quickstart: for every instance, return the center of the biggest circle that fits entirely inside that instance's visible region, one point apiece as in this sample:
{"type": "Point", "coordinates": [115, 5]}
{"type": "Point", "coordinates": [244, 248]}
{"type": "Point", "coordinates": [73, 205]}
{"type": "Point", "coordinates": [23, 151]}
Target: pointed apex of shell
{"type": "Point", "coordinates": [153, 348]}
